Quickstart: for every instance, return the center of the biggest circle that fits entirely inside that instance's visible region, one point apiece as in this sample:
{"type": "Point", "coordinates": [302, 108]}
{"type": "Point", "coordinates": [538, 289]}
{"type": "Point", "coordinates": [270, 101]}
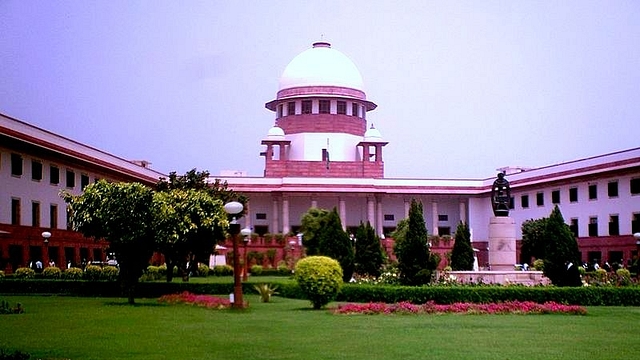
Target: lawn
{"type": "Point", "coordinates": [57, 327]}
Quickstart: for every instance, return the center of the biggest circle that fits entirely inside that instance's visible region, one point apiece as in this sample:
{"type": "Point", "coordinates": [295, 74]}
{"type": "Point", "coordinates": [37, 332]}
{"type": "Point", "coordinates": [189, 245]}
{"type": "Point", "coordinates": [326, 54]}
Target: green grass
{"type": "Point", "coordinates": [58, 327]}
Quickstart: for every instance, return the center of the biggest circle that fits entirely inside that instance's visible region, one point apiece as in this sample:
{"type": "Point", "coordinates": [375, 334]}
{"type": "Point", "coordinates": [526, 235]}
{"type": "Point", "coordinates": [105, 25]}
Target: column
{"type": "Point", "coordinates": [365, 152]}
{"type": "Point", "coordinates": [285, 216]}
{"type": "Point", "coordinates": [463, 212]}
{"type": "Point", "coordinates": [379, 216]}
{"type": "Point", "coordinates": [247, 216]}
{"type": "Point", "coordinates": [282, 152]}
{"type": "Point", "coordinates": [274, 219]}
{"type": "Point", "coordinates": [314, 203]}
{"type": "Point", "coordinates": [371, 211]}
{"type": "Point", "coordinates": [407, 206]}
{"type": "Point", "coordinates": [342, 208]}
{"type": "Point", "coordinates": [434, 217]}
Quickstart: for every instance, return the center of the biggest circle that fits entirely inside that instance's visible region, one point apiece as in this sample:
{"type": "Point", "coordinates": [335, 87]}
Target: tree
{"type": "Point", "coordinates": [369, 256]}
{"type": "Point", "coordinates": [323, 235]}
{"type": "Point", "coordinates": [188, 224]}
{"type": "Point", "coordinates": [411, 248]}
{"type": "Point", "coordinates": [120, 213]}
{"type": "Point", "coordinates": [551, 240]}
{"type": "Point", "coordinates": [196, 225]}
{"type": "Point", "coordinates": [312, 222]}
{"type": "Point", "coordinates": [462, 252]}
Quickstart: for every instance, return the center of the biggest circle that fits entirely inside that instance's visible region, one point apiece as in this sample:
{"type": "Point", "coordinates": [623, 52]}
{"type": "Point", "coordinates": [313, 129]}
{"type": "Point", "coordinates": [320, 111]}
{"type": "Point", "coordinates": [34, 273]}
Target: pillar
{"type": "Point", "coordinates": [274, 220]}
{"type": "Point", "coordinates": [434, 217]}
{"type": "Point", "coordinates": [342, 206]}
{"type": "Point", "coordinates": [379, 216]}
{"type": "Point", "coordinates": [463, 212]}
{"type": "Point", "coordinates": [407, 206]}
{"type": "Point", "coordinates": [371, 211]}
{"type": "Point", "coordinates": [285, 216]}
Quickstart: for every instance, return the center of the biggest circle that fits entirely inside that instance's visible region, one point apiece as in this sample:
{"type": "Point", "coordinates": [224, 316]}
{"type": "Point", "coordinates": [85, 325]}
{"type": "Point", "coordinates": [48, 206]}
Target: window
{"type": "Point", "coordinates": [443, 217]}
{"type": "Point", "coordinates": [15, 211]}
{"type": "Point", "coordinates": [524, 201]}
{"type": "Point", "coordinates": [306, 106]}
{"type": "Point", "coordinates": [555, 197]}
{"type": "Point", "coordinates": [16, 165]}
{"type": "Point", "coordinates": [36, 170]}
{"type": "Point", "coordinates": [574, 227]}
{"type": "Point", "coordinates": [71, 179]}
{"type": "Point", "coordinates": [593, 192]}
{"type": "Point", "coordinates": [342, 107]}
{"type": "Point", "coordinates": [573, 194]}
{"type": "Point", "coordinates": [612, 189]}
{"type": "Point", "coordinates": [614, 225]}
{"type": "Point", "coordinates": [291, 108]}
{"type": "Point", "coordinates": [635, 223]}
{"type": "Point", "coordinates": [260, 229]}
{"type": "Point", "coordinates": [593, 226]}
{"type": "Point", "coordinates": [261, 216]}
{"type": "Point", "coordinates": [389, 217]}
{"type": "Point", "coordinates": [54, 175]}
{"type": "Point", "coordinates": [512, 202]}
{"type": "Point", "coordinates": [354, 109]}
{"type": "Point", "coordinates": [634, 186]}
{"type": "Point", "coordinates": [35, 214]}
{"type": "Point", "coordinates": [84, 181]}
{"type": "Point", "coordinates": [540, 199]}
{"type": "Point", "coordinates": [325, 106]}
{"type": "Point", "coordinates": [444, 230]}
{"type": "Point", "coordinates": [53, 216]}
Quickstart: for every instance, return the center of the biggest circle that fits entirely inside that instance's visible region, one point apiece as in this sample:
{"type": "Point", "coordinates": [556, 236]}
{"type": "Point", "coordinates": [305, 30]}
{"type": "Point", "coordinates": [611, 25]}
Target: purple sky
{"type": "Point", "coordinates": [462, 87]}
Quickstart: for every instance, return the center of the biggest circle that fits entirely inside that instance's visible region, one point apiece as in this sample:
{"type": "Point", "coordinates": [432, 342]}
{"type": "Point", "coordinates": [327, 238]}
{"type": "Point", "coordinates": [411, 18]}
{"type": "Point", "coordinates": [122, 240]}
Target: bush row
{"type": "Point", "coordinates": [586, 296]}
{"type": "Point", "coordinates": [91, 272]}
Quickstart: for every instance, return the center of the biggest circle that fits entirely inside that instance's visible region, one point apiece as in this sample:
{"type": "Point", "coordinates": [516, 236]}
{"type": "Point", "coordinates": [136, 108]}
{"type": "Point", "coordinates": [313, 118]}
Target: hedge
{"type": "Point", "coordinates": [586, 296]}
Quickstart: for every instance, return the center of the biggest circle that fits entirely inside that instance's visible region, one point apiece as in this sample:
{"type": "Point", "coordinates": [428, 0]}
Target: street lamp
{"type": "Point", "coordinates": [246, 238]}
{"type": "Point", "coordinates": [45, 236]}
{"type": "Point", "coordinates": [234, 208]}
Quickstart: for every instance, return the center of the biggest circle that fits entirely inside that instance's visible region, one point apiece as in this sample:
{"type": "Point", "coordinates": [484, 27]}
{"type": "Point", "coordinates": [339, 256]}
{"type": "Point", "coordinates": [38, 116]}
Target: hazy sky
{"type": "Point", "coordinates": [462, 87]}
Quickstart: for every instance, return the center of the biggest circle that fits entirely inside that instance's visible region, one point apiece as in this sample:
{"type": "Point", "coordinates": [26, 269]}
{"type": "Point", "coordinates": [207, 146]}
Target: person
{"type": "Point", "coordinates": [571, 275]}
{"type": "Point", "coordinates": [52, 263]}
{"type": "Point", "coordinates": [525, 267]}
{"type": "Point", "coordinates": [38, 266]}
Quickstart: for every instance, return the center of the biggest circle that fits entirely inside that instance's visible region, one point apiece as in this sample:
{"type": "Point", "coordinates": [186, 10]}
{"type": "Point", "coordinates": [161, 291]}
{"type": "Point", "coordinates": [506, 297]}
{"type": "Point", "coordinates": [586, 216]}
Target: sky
{"type": "Point", "coordinates": [462, 87]}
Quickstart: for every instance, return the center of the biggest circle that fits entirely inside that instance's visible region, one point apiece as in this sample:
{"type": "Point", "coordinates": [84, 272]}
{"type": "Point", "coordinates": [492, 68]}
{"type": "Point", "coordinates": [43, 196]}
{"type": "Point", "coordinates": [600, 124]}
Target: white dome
{"type": "Point", "coordinates": [275, 133]}
{"type": "Point", "coordinates": [373, 135]}
{"type": "Point", "coordinates": [321, 66]}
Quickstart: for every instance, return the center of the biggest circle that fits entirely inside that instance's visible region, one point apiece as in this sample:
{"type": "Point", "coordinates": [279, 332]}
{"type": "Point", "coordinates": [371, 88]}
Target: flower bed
{"type": "Point", "coordinates": [510, 307]}
{"type": "Point", "coordinates": [208, 301]}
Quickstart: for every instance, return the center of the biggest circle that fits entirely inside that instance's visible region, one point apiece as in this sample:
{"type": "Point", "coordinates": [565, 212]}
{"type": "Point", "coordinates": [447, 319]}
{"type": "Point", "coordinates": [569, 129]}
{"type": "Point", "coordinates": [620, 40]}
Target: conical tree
{"type": "Point", "coordinates": [369, 256]}
{"type": "Point", "coordinates": [560, 247]}
{"type": "Point", "coordinates": [335, 243]}
{"type": "Point", "coordinates": [412, 249]}
{"type": "Point", "coordinates": [462, 252]}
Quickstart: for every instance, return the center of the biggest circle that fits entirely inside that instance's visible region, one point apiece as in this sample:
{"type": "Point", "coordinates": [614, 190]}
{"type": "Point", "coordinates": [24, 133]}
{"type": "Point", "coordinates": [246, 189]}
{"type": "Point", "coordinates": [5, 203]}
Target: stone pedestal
{"type": "Point", "coordinates": [502, 243]}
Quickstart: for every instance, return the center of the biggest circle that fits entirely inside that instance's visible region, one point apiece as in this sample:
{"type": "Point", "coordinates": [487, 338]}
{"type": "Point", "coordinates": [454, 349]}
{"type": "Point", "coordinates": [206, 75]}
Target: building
{"type": "Point", "coordinates": [322, 153]}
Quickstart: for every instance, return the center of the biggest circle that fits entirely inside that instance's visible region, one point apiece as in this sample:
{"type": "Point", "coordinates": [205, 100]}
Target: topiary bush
{"type": "Point", "coordinates": [24, 273]}
{"type": "Point", "coordinates": [151, 274]}
{"type": "Point", "coordinates": [256, 270]}
{"type": "Point", "coordinates": [72, 273]}
{"type": "Point", "coordinates": [538, 264]}
{"type": "Point", "coordinates": [1, 274]}
{"type": "Point", "coordinates": [162, 269]}
{"type": "Point", "coordinates": [203, 270]}
{"type": "Point", "coordinates": [320, 278]}
{"type": "Point", "coordinates": [92, 272]}
{"type": "Point", "coordinates": [222, 270]}
{"type": "Point", "coordinates": [52, 272]}
{"type": "Point", "coordinates": [110, 273]}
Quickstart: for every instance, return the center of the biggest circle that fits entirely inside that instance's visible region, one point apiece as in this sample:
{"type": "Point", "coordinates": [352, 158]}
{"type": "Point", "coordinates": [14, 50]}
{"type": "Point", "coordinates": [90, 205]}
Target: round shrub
{"type": "Point", "coordinates": [222, 270]}
{"type": "Point", "coordinates": [1, 274]}
{"type": "Point", "coordinates": [162, 269]}
{"type": "Point", "coordinates": [24, 273]}
{"type": "Point", "coordinates": [110, 273]}
{"type": "Point", "coordinates": [256, 270]}
{"type": "Point", "coordinates": [319, 278]}
{"type": "Point", "coordinates": [538, 264]}
{"type": "Point", "coordinates": [72, 273]}
{"type": "Point", "coordinates": [203, 270]}
{"type": "Point", "coordinates": [92, 272]}
{"type": "Point", "coordinates": [151, 274]}
{"type": "Point", "coordinates": [624, 277]}
{"type": "Point", "coordinates": [52, 272]}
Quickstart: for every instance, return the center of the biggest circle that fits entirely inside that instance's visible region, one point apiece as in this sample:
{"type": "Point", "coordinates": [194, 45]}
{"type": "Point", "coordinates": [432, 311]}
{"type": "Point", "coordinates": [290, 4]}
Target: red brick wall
{"type": "Point", "coordinates": [344, 169]}
{"type": "Point", "coordinates": [329, 123]}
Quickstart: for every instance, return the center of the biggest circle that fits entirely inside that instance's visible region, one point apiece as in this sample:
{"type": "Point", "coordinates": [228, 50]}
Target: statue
{"type": "Point", "coordinates": [500, 196]}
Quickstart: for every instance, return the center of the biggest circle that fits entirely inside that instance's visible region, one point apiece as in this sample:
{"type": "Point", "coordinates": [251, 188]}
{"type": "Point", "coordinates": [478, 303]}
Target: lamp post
{"type": "Point", "coordinates": [234, 208]}
{"type": "Point", "coordinates": [246, 238]}
{"type": "Point", "coordinates": [45, 236]}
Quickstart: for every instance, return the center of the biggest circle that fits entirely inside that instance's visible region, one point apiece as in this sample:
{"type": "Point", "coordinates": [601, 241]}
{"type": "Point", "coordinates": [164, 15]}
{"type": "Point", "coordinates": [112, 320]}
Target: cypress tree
{"type": "Point", "coordinates": [560, 247]}
{"type": "Point", "coordinates": [412, 250]}
{"type": "Point", "coordinates": [336, 244]}
{"type": "Point", "coordinates": [369, 256]}
{"type": "Point", "coordinates": [462, 252]}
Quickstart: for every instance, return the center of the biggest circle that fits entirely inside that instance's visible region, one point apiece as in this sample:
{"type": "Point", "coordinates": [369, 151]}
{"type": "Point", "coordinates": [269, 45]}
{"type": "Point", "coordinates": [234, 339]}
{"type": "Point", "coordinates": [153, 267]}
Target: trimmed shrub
{"type": "Point", "coordinates": [538, 264]}
{"type": "Point", "coordinates": [24, 273]}
{"type": "Point", "coordinates": [72, 273]}
{"type": "Point", "coordinates": [256, 270]}
{"type": "Point", "coordinates": [203, 270]}
{"type": "Point", "coordinates": [1, 274]}
{"type": "Point", "coordinates": [222, 270]}
{"type": "Point", "coordinates": [92, 272]}
{"type": "Point", "coordinates": [162, 269]}
{"type": "Point", "coordinates": [110, 273]}
{"type": "Point", "coordinates": [320, 278]}
{"type": "Point", "coordinates": [52, 272]}
{"type": "Point", "coordinates": [152, 273]}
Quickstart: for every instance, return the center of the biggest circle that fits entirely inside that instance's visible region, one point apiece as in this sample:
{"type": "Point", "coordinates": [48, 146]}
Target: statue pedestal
{"type": "Point", "coordinates": [502, 243]}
